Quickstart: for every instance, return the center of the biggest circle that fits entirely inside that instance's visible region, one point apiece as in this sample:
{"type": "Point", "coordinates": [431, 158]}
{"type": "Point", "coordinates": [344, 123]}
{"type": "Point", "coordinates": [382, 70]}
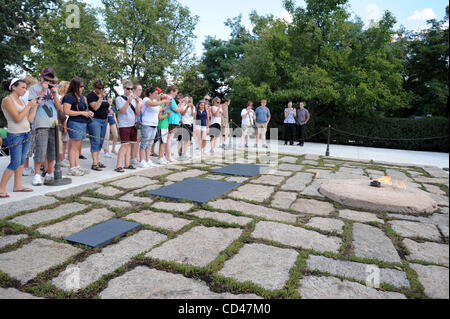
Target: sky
{"type": "Point", "coordinates": [412, 14]}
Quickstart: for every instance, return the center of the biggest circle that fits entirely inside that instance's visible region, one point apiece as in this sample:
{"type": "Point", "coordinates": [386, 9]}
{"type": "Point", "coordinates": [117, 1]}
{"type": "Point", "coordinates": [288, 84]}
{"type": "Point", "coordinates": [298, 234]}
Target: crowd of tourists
{"type": "Point", "coordinates": [139, 120]}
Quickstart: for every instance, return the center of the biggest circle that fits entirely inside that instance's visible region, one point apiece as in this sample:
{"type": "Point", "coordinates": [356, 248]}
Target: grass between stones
{"type": "Point", "coordinates": [41, 285]}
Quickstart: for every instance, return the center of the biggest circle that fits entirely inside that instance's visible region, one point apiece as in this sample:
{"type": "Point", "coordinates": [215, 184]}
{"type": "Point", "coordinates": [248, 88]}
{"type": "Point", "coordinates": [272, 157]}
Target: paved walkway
{"type": "Point", "coordinates": [275, 236]}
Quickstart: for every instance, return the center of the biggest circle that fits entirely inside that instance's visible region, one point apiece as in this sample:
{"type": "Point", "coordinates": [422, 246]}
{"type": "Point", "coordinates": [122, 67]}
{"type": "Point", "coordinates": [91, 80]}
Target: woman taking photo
{"type": "Point", "coordinates": [19, 117]}
{"type": "Point", "coordinates": [75, 106]}
{"type": "Point", "coordinates": [99, 105]}
{"type": "Point", "coordinates": [289, 124]}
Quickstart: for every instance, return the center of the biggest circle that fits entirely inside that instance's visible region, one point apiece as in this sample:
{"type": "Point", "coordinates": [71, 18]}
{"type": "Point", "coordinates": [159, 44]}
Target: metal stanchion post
{"type": "Point", "coordinates": [59, 180]}
{"type": "Point", "coordinates": [329, 140]}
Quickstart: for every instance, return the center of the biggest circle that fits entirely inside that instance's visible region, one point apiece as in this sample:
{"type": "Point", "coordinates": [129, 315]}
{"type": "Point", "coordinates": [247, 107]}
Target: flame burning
{"type": "Point", "coordinates": [388, 181]}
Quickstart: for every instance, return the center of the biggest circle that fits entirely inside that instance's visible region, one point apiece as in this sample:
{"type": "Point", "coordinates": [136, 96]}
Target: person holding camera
{"type": "Point", "coordinates": [76, 107]}
{"type": "Point", "coordinates": [46, 116]}
{"type": "Point", "coordinates": [99, 104]}
{"type": "Point", "coordinates": [19, 116]}
{"type": "Point", "coordinates": [127, 129]}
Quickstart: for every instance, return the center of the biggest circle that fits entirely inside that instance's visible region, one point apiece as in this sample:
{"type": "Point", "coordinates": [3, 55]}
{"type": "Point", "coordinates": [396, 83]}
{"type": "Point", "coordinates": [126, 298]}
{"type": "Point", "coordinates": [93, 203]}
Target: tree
{"type": "Point", "coordinates": [18, 27]}
{"type": "Point", "coordinates": [153, 38]}
{"type": "Point", "coordinates": [82, 51]}
{"type": "Point", "coordinates": [427, 66]}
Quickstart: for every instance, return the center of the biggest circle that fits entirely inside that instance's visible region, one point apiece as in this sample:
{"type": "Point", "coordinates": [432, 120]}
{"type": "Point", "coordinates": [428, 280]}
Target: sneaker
{"type": "Point", "coordinates": [28, 172]}
{"type": "Point", "coordinates": [49, 179]}
{"type": "Point", "coordinates": [162, 161]}
{"type": "Point", "coordinates": [212, 151]}
{"type": "Point", "coordinates": [76, 172]}
{"type": "Point", "coordinates": [246, 145]}
{"type": "Point", "coordinates": [108, 155]}
{"type": "Point", "coordinates": [150, 163]}
{"type": "Point", "coordinates": [134, 162]}
{"type": "Point", "coordinates": [37, 180]}
{"type": "Point", "coordinates": [143, 164]}
{"type": "Point", "coordinates": [64, 163]}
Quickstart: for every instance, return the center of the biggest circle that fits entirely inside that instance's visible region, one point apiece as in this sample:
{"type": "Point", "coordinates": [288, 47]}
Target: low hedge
{"type": "Point", "coordinates": [389, 128]}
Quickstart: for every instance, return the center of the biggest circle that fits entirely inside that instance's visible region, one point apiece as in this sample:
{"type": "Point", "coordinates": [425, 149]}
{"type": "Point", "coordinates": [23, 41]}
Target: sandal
{"type": "Point", "coordinates": [24, 190]}
{"type": "Point", "coordinates": [4, 195]}
{"type": "Point", "coordinates": [130, 167]}
{"type": "Point", "coordinates": [96, 168]}
{"type": "Point", "coordinates": [101, 165]}
{"type": "Point", "coordinates": [119, 170]}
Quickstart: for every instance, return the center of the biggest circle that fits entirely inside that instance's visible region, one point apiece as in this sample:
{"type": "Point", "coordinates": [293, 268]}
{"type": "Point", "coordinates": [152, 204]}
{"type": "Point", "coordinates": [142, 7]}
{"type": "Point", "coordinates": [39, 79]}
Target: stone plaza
{"type": "Point", "coordinates": [274, 236]}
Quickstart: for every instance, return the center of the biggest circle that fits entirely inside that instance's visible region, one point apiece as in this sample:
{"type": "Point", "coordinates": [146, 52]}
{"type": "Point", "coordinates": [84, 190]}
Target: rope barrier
{"type": "Point", "coordinates": [390, 139]}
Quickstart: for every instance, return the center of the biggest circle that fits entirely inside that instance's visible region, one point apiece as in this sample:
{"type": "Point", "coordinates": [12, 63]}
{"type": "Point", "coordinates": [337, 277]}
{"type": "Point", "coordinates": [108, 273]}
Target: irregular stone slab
{"type": "Point", "coordinates": [29, 204]}
{"type": "Point", "coordinates": [444, 230]}
{"type": "Point", "coordinates": [312, 287]}
{"type": "Point", "coordinates": [289, 159]}
{"type": "Point", "coordinates": [75, 190]}
{"type": "Point", "coordinates": [147, 189]}
{"type": "Point", "coordinates": [198, 247]}
{"type": "Point", "coordinates": [313, 163]}
{"type": "Point", "coordinates": [108, 191]}
{"type": "Point", "coordinates": [283, 200]}
{"type": "Point", "coordinates": [136, 199]}
{"type": "Point", "coordinates": [444, 210]}
{"type": "Point", "coordinates": [263, 265]}
{"type": "Point", "coordinates": [440, 199]}
{"type": "Point", "coordinates": [160, 220]}
{"type": "Point", "coordinates": [28, 261]}
{"type": "Point", "coordinates": [359, 216]}
{"type": "Point", "coordinates": [10, 240]}
{"type": "Point", "coordinates": [178, 177]}
{"type": "Point", "coordinates": [434, 279]}
{"type": "Point", "coordinates": [375, 174]}
{"type": "Point", "coordinates": [431, 252]}
{"type": "Point", "coordinates": [321, 173]}
{"type": "Point", "coordinates": [354, 171]}
{"type": "Point", "coordinates": [434, 189]}
{"type": "Point", "coordinates": [358, 271]}
{"type": "Point", "coordinates": [110, 203]}
{"type": "Point", "coordinates": [146, 283]}
{"type": "Point", "coordinates": [313, 189]}
{"type": "Point", "coordinates": [12, 293]}
{"type": "Point", "coordinates": [257, 193]}
{"type": "Point", "coordinates": [253, 210]}
{"type": "Point", "coordinates": [436, 171]}
{"type": "Point", "coordinates": [49, 214]}
{"type": "Point", "coordinates": [154, 172]}
{"type": "Point", "coordinates": [108, 260]}
{"type": "Point", "coordinates": [290, 167]}
{"type": "Point", "coordinates": [277, 172]}
{"type": "Point", "coordinates": [296, 237]}
{"type": "Point", "coordinates": [371, 242]}
{"type": "Point", "coordinates": [428, 180]}
{"type": "Point", "coordinates": [313, 207]}
{"type": "Point", "coordinates": [435, 219]}
{"type": "Point", "coordinates": [178, 207]}
{"type": "Point", "coordinates": [77, 224]}
{"type": "Point", "coordinates": [298, 182]}
{"type": "Point", "coordinates": [312, 157]}
{"type": "Point", "coordinates": [413, 229]}
{"type": "Point", "coordinates": [215, 177]}
{"type": "Point", "coordinates": [327, 224]}
{"type": "Point", "coordinates": [358, 194]}
{"type": "Point", "coordinates": [269, 180]}
{"type": "Point", "coordinates": [134, 182]}
{"type": "Point", "coordinates": [228, 218]}
{"type": "Point", "coordinates": [236, 179]}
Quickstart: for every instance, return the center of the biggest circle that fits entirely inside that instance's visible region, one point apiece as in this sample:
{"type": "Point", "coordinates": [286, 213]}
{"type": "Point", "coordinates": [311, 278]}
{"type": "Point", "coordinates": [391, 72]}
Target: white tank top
{"type": "Point", "coordinates": [13, 126]}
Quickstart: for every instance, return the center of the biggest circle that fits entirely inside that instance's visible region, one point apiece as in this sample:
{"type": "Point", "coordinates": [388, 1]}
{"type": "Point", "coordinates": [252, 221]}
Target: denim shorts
{"type": "Point", "coordinates": [18, 153]}
{"type": "Point", "coordinates": [148, 136]}
{"type": "Point", "coordinates": [79, 128]}
{"type": "Point", "coordinates": [97, 128]}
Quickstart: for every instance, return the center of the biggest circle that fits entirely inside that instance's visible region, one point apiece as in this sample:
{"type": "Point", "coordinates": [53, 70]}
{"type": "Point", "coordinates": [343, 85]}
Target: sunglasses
{"type": "Point", "coordinates": [129, 89]}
